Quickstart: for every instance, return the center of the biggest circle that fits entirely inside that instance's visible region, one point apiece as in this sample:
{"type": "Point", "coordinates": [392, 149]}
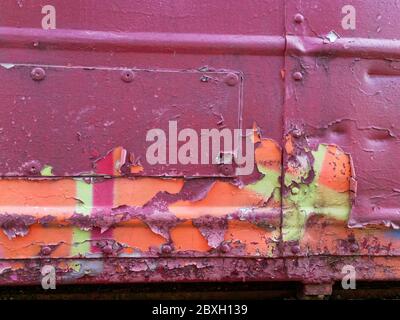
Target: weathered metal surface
{"type": "Point", "coordinates": [343, 112]}
{"type": "Point", "coordinates": [84, 113]}
{"type": "Point", "coordinates": [76, 103]}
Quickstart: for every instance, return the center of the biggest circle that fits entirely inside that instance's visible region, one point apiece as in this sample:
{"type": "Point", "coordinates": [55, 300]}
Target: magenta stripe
{"type": "Point", "coordinates": [103, 198]}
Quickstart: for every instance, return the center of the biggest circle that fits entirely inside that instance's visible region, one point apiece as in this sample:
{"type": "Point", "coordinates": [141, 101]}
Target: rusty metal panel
{"type": "Point", "coordinates": [341, 132]}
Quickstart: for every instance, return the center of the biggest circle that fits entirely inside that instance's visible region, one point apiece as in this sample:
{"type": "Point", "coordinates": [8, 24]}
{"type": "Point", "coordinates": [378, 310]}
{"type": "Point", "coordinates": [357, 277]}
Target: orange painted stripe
{"type": "Point", "coordinates": [137, 192]}
{"type": "Point", "coordinates": [137, 234]}
{"type": "Point", "coordinates": [185, 236]}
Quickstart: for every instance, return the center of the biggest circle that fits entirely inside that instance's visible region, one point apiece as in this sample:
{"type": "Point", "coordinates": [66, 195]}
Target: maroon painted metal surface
{"type": "Point", "coordinates": [77, 115]}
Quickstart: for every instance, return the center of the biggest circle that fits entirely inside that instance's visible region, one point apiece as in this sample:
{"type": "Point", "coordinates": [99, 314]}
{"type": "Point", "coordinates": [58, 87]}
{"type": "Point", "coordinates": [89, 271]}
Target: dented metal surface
{"type": "Point", "coordinates": [76, 103]}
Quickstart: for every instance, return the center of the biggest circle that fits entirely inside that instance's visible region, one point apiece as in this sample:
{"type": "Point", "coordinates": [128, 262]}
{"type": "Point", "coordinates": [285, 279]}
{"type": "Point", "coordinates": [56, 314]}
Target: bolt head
{"type": "Point", "coordinates": [295, 190]}
{"type": "Point", "coordinates": [127, 75]}
{"type": "Point", "coordinates": [297, 76]}
{"type": "Point", "coordinates": [296, 133]}
{"type": "Point", "coordinates": [231, 79]}
{"type": "Point", "coordinates": [298, 18]}
{"type": "Point", "coordinates": [166, 248]}
{"type": "Point", "coordinates": [354, 247]}
{"type": "Point", "coordinates": [38, 74]}
{"type": "Point", "coordinates": [46, 250]}
{"type": "Point", "coordinates": [226, 169]}
{"type": "Point", "coordinates": [225, 248]}
{"type": "Point", "coordinates": [107, 249]}
{"type": "Point", "coordinates": [295, 249]}
{"type": "Point", "coordinates": [32, 168]}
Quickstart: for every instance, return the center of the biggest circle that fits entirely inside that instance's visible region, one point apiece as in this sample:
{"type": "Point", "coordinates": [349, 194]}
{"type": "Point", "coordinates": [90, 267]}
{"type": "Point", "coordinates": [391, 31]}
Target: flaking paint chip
{"type": "Point", "coordinates": [331, 37]}
{"type": "Point", "coordinates": [7, 65]}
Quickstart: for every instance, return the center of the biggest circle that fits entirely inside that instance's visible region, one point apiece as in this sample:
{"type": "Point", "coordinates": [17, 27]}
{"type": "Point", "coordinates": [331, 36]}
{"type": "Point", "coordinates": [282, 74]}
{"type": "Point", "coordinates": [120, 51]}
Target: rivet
{"type": "Point", "coordinates": [107, 249]}
{"type": "Point", "coordinates": [33, 171]}
{"type": "Point", "coordinates": [295, 249]}
{"type": "Point", "coordinates": [31, 168]}
{"type": "Point", "coordinates": [297, 76]}
{"type": "Point", "coordinates": [354, 247]}
{"type": "Point", "coordinates": [226, 169]}
{"type": "Point", "coordinates": [298, 18]}
{"type": "Point", "coordinates": [296, 133]}
{"type": "Point", "coordinates": [38, 74]}
{"type": "Point", "coordinates": [127, 75]}
{"type": "Point", "coordinates": [295, 190]}
{"type": "Point", "coordinates": [231, 79]}
{"type": "Point", "coordinates": [166, 248]}
{"type": "Point", "coordinates": [46, 250]}
{"type": "Point", "coordinates": [225, 248]}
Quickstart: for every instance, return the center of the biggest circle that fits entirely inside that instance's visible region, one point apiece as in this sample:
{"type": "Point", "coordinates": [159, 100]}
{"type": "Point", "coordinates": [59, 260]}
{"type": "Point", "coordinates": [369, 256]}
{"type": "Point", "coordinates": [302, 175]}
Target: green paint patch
{"type": "Point", "coordinates": [47, 171]}
{"type": "Point", "coordinates": [304, 200]}
{"type": "Point", "coordinates": [84, 194]}
{"type": "Point", "coordinates": [268, 184]}
{"type": "Point", "coordinates": [81, 242]}
{"type": "Point", "coordinates": [75, 266]}
{"type": "Point", "coordinates": [81, 238]}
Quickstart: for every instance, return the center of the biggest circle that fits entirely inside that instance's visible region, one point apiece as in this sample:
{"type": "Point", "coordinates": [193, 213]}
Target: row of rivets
{"type": "Point", "coordinates": [298, 18]}
{"type": "Point", "coordinates": [39, 74]}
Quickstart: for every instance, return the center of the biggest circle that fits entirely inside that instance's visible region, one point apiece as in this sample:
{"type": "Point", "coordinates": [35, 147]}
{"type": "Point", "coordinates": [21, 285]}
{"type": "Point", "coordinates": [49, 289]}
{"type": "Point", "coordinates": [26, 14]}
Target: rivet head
{"type": "Point", "coordinates": [38, 74]}
{"type": "Point", "coordinates": [46, 250]}
{"type": "Point", "coordinates": [296, 133]}
{"type": "Point", "coordinates": [107, 249]}
{"type": "Point", "coordinates": [226, 169]}
{"type": "Point", "coordinates": [295, 249]}
{"type": "Point", "coordinates": [225, 248]}
{"type": "Point", "coordinates": [298, 18]}
{"type": "Point", "coordinates": [127, 75]}
{"type": "Point", "coordinates": [354, 247]}
{"type": "Point", "coordinates": [166, 248]}
{"type": "Point", "coordinates": [297, 76]}
{"type": "Point", "coordinates": [231, 79]}
{"type": "Point", "coordinates": [32, 168]}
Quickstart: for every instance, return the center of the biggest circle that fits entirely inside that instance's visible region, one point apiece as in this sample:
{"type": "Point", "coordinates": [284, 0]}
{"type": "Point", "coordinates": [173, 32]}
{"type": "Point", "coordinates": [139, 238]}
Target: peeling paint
{"type": "Point", "coordinates": [317, 182]}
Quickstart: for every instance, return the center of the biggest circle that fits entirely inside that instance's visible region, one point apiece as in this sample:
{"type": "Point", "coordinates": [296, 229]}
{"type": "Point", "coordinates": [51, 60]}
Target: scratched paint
{"type": "Point", "coordinates": [75, 188]}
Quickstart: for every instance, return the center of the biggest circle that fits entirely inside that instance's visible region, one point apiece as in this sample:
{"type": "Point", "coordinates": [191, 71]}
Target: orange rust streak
{"type": "Point", "coordinates": [223, 198]}
{"type": "Point", "coordinates": [137, 234]}
{"type": "Point", "coordinates": [136, 169]}
{"type": "Point", "coordinates": [289, 146]}
{"type": "Point", "coordinates": [118, 158]}
{"type": "Point", "coordinates": [185, 237]}
{"type": "Point", "coordinates": [30, 245]}
{"type": "Point", "coordinates": [336, 170]}
{"type": "Point", "coordinates": [256, 133]}
{"type": "Point", "coordinates": [139, 191]}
